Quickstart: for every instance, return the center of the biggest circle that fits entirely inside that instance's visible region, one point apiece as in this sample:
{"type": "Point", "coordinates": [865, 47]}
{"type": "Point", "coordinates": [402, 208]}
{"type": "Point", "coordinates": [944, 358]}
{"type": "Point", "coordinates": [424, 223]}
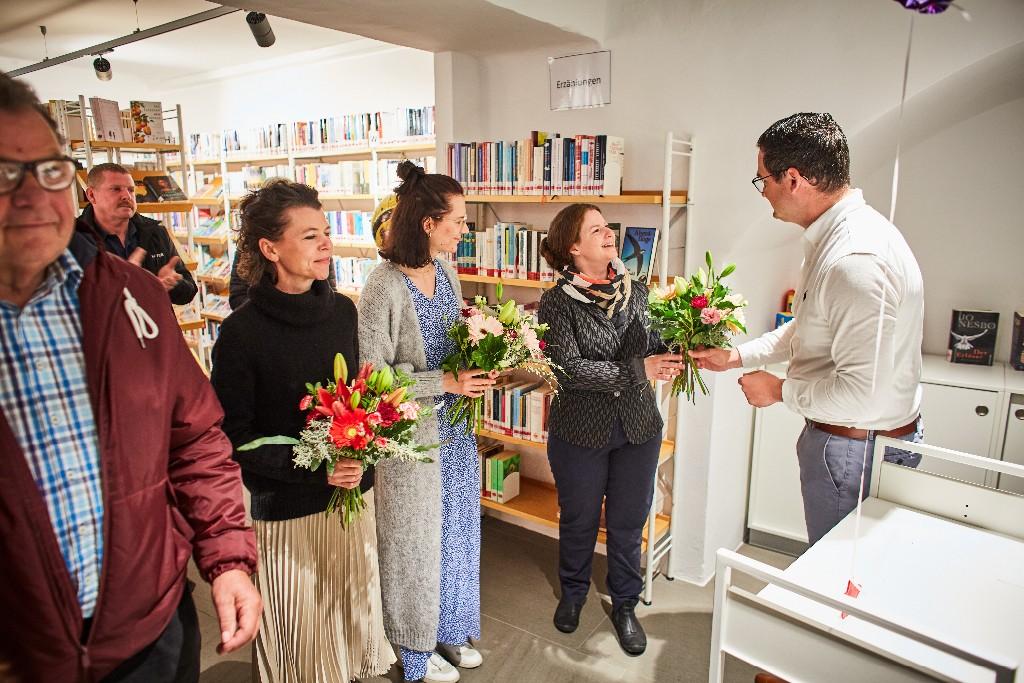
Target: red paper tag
{"type": "Point", "coordinates": [852, 590]}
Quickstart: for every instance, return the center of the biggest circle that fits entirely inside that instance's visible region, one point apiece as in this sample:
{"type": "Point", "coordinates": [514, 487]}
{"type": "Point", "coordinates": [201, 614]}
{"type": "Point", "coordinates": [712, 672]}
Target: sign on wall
{"type": "Point", "coordinates": [580, 81]}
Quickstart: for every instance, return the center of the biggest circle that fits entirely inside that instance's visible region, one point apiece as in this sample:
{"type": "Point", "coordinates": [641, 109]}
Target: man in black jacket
{"type": "Point", "coordinates": [143, 241]}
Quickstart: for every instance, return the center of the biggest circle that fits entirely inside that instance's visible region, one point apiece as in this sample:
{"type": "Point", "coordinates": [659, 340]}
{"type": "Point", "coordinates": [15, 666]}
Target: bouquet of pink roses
{"type": "Point", "coordinates": [369, 420]}
{"type": "Point", "coordinates": [699, 312]}
{"type": "Point", "coordinates": [496, 337]}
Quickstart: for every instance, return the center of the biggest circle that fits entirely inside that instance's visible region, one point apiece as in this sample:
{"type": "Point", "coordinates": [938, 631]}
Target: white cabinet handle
{"type": "Point", "coordinates": [1019, 413]}
{"type": "Point", "coordinates": [981, 410]}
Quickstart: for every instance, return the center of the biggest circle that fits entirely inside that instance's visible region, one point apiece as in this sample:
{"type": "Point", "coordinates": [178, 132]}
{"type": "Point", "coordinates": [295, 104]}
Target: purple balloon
{"type": "Point", "coordinates": [926, 6]}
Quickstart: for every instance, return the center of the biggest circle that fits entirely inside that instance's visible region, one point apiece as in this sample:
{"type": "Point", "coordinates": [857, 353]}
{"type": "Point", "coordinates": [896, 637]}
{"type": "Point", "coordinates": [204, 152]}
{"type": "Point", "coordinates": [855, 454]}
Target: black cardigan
{"type": "Point", "coordinates": [266, 353]}
{"type": "Point", "coordinates": [602, 376]}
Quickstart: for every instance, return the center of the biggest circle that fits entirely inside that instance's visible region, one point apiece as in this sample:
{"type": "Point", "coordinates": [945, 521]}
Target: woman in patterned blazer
{"type": "Point", "coordinates": [604, 427]}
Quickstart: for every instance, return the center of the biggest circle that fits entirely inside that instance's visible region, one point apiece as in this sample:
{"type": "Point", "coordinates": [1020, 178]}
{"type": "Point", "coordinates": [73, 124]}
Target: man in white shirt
{"type": "Point", "coordinates": [854, 344]}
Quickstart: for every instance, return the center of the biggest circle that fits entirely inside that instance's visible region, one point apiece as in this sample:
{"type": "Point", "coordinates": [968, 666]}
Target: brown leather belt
{"type": "Point", "coordinates": [854, 433]}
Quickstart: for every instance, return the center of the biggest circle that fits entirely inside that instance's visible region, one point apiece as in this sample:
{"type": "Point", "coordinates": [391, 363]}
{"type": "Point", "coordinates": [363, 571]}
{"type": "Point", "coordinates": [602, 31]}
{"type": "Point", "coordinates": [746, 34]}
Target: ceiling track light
{"type": "Point", "coordinates": [260, 27]}
{"type": "Point", "coordinates": [101, 66]}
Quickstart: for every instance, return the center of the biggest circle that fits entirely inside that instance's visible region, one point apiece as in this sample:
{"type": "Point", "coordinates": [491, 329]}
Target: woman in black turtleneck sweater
{"type": "Point", "coordinates": [314, 576]}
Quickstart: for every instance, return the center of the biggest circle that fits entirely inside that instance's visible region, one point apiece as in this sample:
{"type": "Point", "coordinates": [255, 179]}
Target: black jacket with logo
{"type": "Point", "coordinates": [155, 239]}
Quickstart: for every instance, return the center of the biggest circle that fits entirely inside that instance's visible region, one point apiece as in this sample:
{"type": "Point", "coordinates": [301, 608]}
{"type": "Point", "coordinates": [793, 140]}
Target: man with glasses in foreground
{"type": "Point", "coordinates": [109, 479]}
{"type": "Point", "coordinates": [854, 344]}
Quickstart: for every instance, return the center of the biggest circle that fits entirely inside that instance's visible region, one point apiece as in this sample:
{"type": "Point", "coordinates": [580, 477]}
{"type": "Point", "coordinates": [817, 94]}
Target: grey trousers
{"type": "Point", "coordinates": [830, 469]}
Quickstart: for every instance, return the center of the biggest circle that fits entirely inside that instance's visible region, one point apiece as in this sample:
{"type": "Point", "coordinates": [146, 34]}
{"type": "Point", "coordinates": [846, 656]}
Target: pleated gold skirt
{"type": "Point", "coordinates": [320, 585]}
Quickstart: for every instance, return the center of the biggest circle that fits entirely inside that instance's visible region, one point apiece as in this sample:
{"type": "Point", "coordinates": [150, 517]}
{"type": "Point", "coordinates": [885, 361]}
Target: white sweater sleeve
{"type": "Point", "coordinates": [770, 347]}
{"type": "Point", "coordinates": [860, 303]}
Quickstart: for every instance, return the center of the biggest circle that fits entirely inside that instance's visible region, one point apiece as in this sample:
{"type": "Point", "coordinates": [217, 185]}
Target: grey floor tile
{"type": "Point", "coordinates": [519, 583]}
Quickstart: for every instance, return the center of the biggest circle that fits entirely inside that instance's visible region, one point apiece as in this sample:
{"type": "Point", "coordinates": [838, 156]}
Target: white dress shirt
{"type": "Point", "coordinates": [854, 344]}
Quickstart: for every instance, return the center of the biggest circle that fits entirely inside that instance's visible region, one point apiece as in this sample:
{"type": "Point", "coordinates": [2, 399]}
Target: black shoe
{"type": "Point", "coordinates": [630, 633]}
{"type": "Point", "coordinates": [567, 615]}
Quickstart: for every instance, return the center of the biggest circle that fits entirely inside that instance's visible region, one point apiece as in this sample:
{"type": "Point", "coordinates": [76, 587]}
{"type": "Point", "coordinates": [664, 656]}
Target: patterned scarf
{"type": "Point", "coordinates": [611, 294]}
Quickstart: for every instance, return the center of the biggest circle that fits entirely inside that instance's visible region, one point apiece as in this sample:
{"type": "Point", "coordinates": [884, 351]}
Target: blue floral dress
{"type": "Point", "coordinates": [460, 487]}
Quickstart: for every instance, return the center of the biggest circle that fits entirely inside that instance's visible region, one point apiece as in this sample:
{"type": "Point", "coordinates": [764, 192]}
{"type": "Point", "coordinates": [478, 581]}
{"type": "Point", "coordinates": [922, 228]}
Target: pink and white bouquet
{"type": "Point", "coordinates": [498, 337]}
{"type": "Point", "coordinates": [699, 312]}
{"type": "Point", "coordinates": [369, 419]}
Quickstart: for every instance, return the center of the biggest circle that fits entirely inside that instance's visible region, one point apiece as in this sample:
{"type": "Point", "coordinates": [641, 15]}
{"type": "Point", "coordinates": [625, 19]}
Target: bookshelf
{"type": "Point", "coordinates": [629, 197]}
{"type": "Point", "coordinates": [537, 501]}
{"type": "Point", "coordinates": [505, 282]}
{"type": "Point", "coordinates": [79, 122]}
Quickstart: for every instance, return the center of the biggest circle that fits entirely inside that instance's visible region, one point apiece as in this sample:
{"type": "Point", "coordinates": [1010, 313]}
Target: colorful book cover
{"type": "Point", "coordinates": [143, 195]}
{"type": "Point", "coordinates": [147, 122]}
{"type": "Point", "coordinates": [972, 337]}
{"type": "Point", "coordinates": [638, 245]}
{"type": "Point", "coordinates": [164, 188]}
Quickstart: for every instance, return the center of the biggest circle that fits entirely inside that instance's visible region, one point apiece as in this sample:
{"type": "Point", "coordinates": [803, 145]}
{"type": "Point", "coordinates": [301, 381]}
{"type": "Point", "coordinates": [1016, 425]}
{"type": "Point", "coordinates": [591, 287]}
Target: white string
{"type": "Point", "coordinates": [864, 456]}
{"type": "Point", "coordinates": [143, 325]}
{"type": "Point", "coordinates": [899, 124]}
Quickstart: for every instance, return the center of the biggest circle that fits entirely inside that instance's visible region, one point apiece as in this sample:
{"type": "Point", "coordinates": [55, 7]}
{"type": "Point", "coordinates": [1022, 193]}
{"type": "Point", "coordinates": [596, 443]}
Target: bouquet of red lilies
{"type": "Point", "coordinates": [369, 420]}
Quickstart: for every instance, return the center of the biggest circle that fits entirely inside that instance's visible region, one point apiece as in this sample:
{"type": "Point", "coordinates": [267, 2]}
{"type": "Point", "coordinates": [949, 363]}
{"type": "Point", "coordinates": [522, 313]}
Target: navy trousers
{"type": "Point", "coordinates": [621, 474]}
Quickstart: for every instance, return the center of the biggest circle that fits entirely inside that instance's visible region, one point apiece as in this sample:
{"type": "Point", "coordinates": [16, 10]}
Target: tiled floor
{"type": "Point", "coordinates": [519, 593]}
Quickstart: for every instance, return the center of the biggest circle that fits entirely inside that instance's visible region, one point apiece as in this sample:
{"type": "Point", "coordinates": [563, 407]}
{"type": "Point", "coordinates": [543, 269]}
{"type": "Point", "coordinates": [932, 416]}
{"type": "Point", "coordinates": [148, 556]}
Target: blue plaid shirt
{"type": "Point", "coordinates": [44, 398]}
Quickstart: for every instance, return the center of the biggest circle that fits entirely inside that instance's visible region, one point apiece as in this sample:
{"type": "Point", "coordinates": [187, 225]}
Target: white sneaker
{"type": "Point", "coordinates": [463, 656]}
{"type": "Point", "coordinates": [440, 671]}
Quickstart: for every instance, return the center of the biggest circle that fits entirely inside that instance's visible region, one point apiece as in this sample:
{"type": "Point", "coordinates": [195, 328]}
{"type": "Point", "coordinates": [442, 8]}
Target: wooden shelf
{"type": "Point", "coordinates": [507, 282]}
{"type": "Point", "coordinates": [215, 202]}
{"type": "Point", "coordinates": [190, 265]}
{"type": "Point", "coordinates": [667, 447]}
{"type": "Point", "coordinates": [212, 280]}
{"type": "Point", "coordinates": [629, 197]}
{"type": "Point", "coordinates": [538, 502]}
{"type": "Point", "coordinates": [127, 146]}
{"type": "Point", "coordinates": [353, 248]}
{"type": "Point", "coordinates": [352, 152]}
{"type": "Point", "coordinates": [210, 315]}
{"type": "Point", "coordinates": [156, 207]}
{"type": "Point", "coordinates": [327, 196]}
{"type": "Point", "coordinates": [187, 325]}
{"type": "Point", "coordinates": [211, 240]}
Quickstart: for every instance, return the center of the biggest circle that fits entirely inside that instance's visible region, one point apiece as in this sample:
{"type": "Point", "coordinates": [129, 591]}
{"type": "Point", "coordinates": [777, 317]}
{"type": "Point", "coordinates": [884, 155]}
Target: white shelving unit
{"type": "Point", "coordinates": [536, 505]}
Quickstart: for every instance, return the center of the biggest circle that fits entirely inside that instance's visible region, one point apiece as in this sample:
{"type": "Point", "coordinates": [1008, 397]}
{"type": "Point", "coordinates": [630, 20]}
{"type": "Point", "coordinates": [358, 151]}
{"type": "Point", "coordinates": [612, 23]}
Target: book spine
{"type": "Point", "coordinates": [1017, 342]}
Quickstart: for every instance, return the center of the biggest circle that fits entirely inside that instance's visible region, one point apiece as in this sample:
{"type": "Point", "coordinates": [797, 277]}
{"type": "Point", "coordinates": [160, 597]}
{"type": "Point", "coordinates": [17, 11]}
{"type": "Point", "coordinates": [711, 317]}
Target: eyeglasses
{"type": "Point", "coordinates": [758, 182]}
{"type": "Point", "coordinates": [52, 174]}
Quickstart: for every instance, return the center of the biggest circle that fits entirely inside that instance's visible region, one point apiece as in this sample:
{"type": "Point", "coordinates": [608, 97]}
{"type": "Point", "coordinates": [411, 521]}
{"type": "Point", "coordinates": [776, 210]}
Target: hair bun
{"type": "Point", "coordinates": [408, 171]}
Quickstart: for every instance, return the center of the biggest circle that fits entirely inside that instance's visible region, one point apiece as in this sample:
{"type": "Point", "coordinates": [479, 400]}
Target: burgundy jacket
{"type": "Point", "coordinates": [170, 489]}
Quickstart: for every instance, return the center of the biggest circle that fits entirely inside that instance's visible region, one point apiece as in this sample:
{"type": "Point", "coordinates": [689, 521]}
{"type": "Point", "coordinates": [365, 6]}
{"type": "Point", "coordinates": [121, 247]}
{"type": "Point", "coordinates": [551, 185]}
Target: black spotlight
{"type": "Point", "coordinates": [260, 27]}
{"type": "Point", "coordinates": [103, 69]}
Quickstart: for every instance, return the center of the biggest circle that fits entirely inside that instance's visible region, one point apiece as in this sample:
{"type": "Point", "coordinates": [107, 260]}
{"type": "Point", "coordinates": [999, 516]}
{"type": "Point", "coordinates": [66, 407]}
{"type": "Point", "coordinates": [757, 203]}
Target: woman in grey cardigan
{"type": "Point", "coordinates": [428, 515]}
{"type": "Point", "coordinates": [604, 428]}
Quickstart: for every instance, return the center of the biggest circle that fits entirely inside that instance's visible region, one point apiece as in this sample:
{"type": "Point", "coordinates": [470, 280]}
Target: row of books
{"type": "Point", "coordinates": [216, 305]}
{"type": "Point", "coordinates": [141, 122]}
{"type": "Point", "coordinates": [351, 225]}
{"type": "Point", "coordinates": [542, 164]}
{"type": "Point", "coordinates": [214, 226]}
{"type": "Point", "coordinates": [351, 272]}
{"type": "Point", "coordinates": [339, 131]}
{"type": "Point", "coordinates": [218, 268]}
{"type": "Point", "coordinates": [499, 473]}
{"type": "Point", "coordinates": [509, 250]}
{"type": "Point", "coordinates": [518, 408]}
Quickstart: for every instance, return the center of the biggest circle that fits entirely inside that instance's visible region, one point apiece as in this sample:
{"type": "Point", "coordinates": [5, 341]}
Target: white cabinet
{"type": "Point", "coordinates": [776, 506]}
{"type": "Point", "coordinates": [1013, 444]}
{"type": "Point", "coordinates": [964, 407]}
{"type": "Point", "coordinates": [958, 418]}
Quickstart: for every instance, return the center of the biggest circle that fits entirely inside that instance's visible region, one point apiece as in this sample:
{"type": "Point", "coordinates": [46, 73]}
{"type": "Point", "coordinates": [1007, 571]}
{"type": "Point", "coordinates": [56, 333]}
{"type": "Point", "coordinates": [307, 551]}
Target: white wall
{"type": "Point", "coordinates": [723, 71]}
{"type": "Point", "coordinates": [321, 84]}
